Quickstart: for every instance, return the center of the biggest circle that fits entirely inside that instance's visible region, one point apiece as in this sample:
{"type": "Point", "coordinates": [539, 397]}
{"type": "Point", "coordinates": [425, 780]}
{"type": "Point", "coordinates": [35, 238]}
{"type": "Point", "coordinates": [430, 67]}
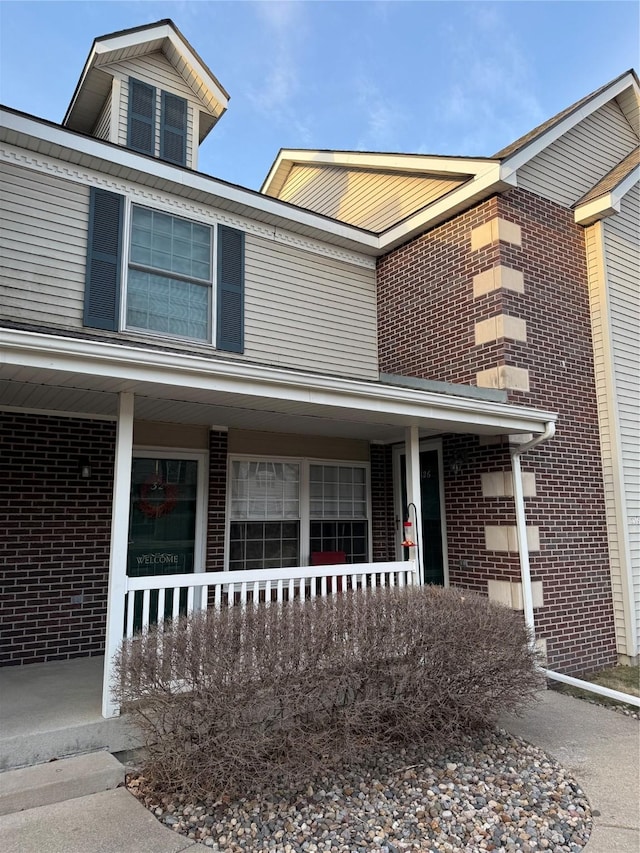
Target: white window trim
{"type": "Point", "coordinates": [202, 458]}
{"type": "Point", "coordinates": [127, 228]}
{"type": "Point", "coordinates": [305, 463]}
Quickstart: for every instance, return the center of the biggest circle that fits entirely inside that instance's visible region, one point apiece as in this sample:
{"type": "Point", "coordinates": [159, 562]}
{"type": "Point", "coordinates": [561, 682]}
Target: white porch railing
{"type": "Point", "coordinates": [158, 597]}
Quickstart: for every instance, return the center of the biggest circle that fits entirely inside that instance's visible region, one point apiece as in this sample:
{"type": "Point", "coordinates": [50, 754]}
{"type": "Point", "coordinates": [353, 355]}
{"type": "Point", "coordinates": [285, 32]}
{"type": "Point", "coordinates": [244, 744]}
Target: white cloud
{"type": "Point", "coordinates": [489, 102]}
{"type": "Point", "coordinates": [285, 26]}
{"type": "Point", "coordinates": [380, 117]}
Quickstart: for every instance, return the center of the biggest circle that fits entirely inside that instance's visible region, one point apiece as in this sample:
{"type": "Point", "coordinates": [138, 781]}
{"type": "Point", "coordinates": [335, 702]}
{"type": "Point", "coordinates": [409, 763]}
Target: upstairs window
{"type": "Point", "coordinates": [169, 282]}
{"type": "Point", "coordinates": [165, 275]}
{"type": "Point", "coordinates": [168, 139]}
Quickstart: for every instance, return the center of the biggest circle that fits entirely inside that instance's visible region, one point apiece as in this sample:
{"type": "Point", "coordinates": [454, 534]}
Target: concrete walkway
{"type": "Point", "coordinates": [600, 747]}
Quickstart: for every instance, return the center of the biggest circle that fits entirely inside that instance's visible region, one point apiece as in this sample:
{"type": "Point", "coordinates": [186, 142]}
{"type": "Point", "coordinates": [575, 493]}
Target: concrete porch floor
{"type": "Point", "coordinates": [52, 710]}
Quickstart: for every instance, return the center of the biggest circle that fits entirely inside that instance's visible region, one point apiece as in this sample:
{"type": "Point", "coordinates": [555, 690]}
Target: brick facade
{"type": "Point", "coordinates": [56, 527]}
{"type": "Point", "coordinates": [428, 313]}
{"type": "Point", "coordinates": [216, 501]}
{"type": "Point", "coordinates": [383, 533]}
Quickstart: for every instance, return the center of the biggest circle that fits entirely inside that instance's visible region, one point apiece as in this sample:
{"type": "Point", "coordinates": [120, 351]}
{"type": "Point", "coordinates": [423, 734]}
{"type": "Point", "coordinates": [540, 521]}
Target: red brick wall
{"type": "Point", "coordinates": [55, 537]}
{"type": "Point", "coordinates": [427, 319]}
{"type": "Point", "coordinates": [216, 505]}
{"type": "Point", "coordinates": [382, 508]}
{"type": "Point", "coordinates": [426, 313]}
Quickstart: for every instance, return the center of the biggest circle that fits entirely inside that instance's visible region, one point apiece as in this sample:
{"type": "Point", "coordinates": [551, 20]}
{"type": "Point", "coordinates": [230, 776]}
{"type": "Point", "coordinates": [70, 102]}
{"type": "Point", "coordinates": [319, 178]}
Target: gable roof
{"type": "Point", "coordinates": [162, 36]}
{"type": "Point", "coordinates": [420, 165]}
{"type": "Point", "coordinates": [367, 189]}
{"type": "Point", "coordinates": [625, 88]}
{"type": "Point", "coordinates": [520, 143]}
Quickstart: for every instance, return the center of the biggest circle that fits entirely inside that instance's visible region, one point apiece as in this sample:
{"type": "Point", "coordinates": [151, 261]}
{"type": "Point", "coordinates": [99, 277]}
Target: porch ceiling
{"type": "Point", "coordinates": [64, 375]}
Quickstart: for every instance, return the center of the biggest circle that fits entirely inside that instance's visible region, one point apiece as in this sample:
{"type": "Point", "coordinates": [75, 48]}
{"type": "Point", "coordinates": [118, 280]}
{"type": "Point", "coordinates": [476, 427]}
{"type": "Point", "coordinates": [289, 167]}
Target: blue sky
{"type": "Point", "coordinates": [461, 78]}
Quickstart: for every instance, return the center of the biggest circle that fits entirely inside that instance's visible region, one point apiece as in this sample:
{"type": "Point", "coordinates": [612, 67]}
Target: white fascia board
{"type": "Point", "coordinates": [450, 167]}
{"type": "Point", "coordinates": [104, 47]}
{"type": "Point", "coordinates": [492, 180]}
{"type": "Point", "coordinates": [607, 204]}
{"type": "Point", "coordinates": [134, 366]}
{"type": "Point", "coordinates": [363, 240]}
{"type": "Point", "coordinates": [519, 158]}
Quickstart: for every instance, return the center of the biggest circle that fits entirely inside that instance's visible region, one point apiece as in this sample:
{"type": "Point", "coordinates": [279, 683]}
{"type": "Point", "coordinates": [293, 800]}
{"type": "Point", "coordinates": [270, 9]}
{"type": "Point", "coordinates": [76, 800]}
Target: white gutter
{"type": "Point", "coordinates": [593, 688]}
{"type": "Point", "coordinates": [521, 524]}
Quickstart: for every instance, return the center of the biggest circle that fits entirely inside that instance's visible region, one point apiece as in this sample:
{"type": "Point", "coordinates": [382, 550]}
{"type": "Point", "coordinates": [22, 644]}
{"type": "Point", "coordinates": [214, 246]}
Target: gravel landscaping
{"type": "Point", "coordinates": [492, 792]}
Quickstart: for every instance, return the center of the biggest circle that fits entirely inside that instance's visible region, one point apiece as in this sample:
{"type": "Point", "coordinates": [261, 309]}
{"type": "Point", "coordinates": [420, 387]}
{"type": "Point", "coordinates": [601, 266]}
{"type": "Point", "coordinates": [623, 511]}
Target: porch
{"type": "Point", "coordinates": [50, 710]}
{"type": "Point", "coordinates": [130, 401]}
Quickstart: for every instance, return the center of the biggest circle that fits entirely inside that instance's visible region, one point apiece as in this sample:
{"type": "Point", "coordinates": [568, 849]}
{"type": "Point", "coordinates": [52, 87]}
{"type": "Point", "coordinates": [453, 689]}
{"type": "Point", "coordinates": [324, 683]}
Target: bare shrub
{"type": "Point", "coordinates": [241, 700]}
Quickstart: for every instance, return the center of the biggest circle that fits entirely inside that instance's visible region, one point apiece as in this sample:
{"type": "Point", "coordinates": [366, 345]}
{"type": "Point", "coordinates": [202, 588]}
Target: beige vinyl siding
{"type": "Point", "coordinates": [609, 439]}
{"type": "Point", "coordinates": [102, 130]}
{"type": "Point", "coordinates": [43, 244]}
{"type": "Point", "coordinates": [368, 199]}
{"type": "Point", "coordinates": [571, 165]}
{"type": "Point", "coordinates": [303, 309]}
{"type": "Point", "coordinates": [157, 71]}
{"type": "Point", "coordinates": [308, 311]}
{"type": "Point", "coordinates": [622, 251]}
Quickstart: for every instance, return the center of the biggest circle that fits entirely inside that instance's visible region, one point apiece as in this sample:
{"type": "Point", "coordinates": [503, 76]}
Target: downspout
{"type": "Point", "coordinates": [525, 572]}
{"type": "Point", "coordinates": [521, 523]}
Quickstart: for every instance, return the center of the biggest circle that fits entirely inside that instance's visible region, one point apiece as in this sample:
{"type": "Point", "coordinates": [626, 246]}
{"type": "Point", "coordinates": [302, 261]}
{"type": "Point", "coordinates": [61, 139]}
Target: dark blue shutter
{"type": "Point", "coordinates": [104, 247]}
{"type": "Point", "coordinates": [173, 129]}
{"type": "Point", "coordinates": [141, 131]}
{"type": "Point", "coordinates": [230, 290]}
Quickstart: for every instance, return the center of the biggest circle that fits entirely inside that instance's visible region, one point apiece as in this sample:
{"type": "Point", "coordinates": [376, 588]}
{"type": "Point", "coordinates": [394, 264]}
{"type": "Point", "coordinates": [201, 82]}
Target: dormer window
{"type": "Point", "coordinates": [145, 103]}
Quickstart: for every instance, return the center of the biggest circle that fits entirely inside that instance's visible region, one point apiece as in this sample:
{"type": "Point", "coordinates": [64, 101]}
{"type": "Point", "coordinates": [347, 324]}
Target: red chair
{"type": "Point", "coordinates": [329, 558]}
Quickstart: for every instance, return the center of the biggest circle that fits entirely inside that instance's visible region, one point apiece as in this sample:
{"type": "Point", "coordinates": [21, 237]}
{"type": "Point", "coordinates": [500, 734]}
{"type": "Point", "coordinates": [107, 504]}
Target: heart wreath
{"type": "Point", "coordinates": [157, 497]}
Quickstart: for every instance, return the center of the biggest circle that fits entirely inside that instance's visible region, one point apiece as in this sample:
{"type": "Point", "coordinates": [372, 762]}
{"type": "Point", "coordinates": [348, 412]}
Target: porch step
{"type": "Point", "coordinates": [57, 781]}
{"type": "Point", "coordinates": [38, 747]}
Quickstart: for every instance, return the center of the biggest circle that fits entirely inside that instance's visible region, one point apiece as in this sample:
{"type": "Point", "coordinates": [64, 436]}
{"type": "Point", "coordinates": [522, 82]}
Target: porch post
{"type": "Point", "coordinates": [119, 541]}
{"type": "Point", "coordinates": [412, 455]}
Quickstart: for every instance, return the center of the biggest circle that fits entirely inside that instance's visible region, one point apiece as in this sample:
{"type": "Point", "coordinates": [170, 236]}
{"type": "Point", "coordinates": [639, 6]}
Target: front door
{"type": "Point", "coordinates": [164, 519]}
{"type": "Point", "coordinates": [432, 528]}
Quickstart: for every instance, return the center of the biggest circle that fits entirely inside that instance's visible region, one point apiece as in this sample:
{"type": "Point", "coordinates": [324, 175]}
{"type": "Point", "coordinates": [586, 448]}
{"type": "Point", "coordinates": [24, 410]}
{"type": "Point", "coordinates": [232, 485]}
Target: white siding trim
{"type": "Point", "coordinates": [114, 362]}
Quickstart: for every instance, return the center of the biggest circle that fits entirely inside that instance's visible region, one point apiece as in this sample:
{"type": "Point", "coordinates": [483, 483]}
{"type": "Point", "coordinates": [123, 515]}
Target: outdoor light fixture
{"type": "Point", "coordinates": [84, 467]}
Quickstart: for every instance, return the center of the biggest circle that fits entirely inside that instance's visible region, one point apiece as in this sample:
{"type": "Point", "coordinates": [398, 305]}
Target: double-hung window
{"type": "Point", "coordinates": [281, 512]}
{"type": "Point", "coordinates": [169, 284]}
